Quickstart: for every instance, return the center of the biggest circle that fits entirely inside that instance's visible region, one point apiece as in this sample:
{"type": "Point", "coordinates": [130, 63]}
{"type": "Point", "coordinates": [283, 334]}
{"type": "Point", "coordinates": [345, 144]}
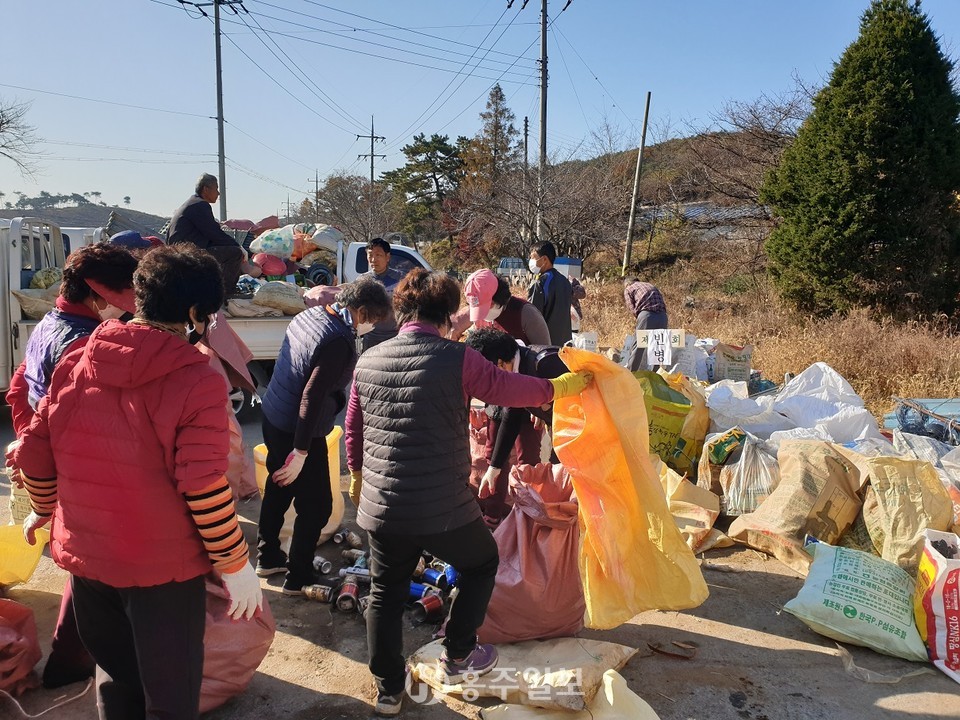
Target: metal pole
{"type": "Point", "coordinates": [525, 208]}
{"type": "Point", "coordinates": [628, 250]}
{"type": "Point", "coordinates": [543, 117]}
{"type": "Point", "coordinates": [223, 159]}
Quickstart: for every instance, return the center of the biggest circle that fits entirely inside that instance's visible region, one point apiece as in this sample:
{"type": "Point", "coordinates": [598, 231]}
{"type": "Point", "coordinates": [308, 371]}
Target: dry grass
{"type": "Point", "coordinates": [717, 299]}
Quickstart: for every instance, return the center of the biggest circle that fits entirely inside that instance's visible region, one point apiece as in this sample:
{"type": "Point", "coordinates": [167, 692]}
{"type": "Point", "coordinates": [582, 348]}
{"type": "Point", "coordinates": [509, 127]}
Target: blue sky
{"type": "Point", "coordinates": [303, 77]}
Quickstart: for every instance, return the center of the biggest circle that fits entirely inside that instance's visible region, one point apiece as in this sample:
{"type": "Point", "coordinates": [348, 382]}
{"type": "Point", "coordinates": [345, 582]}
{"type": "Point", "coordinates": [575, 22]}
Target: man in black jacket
{"type": "Point", "coordinates": [550, 293]}
{"type": "Point", "coordinates": [193, 222]}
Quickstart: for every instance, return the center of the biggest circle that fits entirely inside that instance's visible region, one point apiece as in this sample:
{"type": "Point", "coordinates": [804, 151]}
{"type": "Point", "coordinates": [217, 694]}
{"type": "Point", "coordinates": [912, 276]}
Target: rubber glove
{"type": "Point", "coordinates": [356, 484]}
{"type": "Point", "coordinates": [291, 468]}
{"type": "Point", "coordinates": [31, 524]}
{"type": "Point", "coordinates": [13, 472]}
{"type": "Point", "coordinates": [488, 484]}
{"type": "Point", "coordinates": [243, 587]}
{"type": "Point", "coordinates": [570, 384]}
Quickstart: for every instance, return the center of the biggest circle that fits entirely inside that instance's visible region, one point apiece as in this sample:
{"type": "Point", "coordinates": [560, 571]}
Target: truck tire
{"type": "Point", "coordinates": [319, 274]}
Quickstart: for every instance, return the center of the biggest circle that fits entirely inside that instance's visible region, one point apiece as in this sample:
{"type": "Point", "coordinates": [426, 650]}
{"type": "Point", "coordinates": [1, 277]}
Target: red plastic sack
{"type": "Point", "coordinates": [232, 649]}
{"type": "Point", "coordinates": [538, 594]}
{"type": "Point", "coordinates": [19, 648]}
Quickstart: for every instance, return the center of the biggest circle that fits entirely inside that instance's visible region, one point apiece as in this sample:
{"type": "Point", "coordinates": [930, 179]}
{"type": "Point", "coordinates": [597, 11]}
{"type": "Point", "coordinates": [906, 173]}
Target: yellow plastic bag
{"type": "Point", "coordinates": [686, 454]}
{"type": "Point", "coordinates": [18, 560]}
{"type": "Point", "coordinates": [632, 556]}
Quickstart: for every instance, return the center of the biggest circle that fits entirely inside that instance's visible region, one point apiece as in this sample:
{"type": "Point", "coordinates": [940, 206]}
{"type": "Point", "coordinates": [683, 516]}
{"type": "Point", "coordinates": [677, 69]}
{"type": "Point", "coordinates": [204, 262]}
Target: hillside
{"type": "Point", "coordinates": [91, 215]}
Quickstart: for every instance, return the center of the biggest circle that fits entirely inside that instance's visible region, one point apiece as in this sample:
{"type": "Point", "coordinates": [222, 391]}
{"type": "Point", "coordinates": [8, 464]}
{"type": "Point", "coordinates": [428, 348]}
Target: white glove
{"type": "Point", "coordinates": [31, 524]}
{"type": "Point", "coordinates": [246, 597]}
{"type": "Point", "coordinates": [488, 485]}
{"type": "Point", "coordinates": [291, 468]}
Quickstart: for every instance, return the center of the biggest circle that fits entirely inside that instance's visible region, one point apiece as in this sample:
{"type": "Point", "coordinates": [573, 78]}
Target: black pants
{"type": "Point", "coordinates": [311, 497]}
{"type": "Point", "coordinates": [393, 558]}
{"type": "Point", "coordinates": [148, 645]}
{"type": "Point", "coordinates": [230, 258]}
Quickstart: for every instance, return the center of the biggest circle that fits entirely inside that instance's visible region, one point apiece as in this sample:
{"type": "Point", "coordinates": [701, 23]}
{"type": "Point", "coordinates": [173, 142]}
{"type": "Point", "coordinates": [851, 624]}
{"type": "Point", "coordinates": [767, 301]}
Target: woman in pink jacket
{"type": "Point", "coordinates": [127, 454]}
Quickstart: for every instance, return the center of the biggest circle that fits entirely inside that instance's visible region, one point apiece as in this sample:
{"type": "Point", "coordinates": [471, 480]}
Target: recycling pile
{"type": "Point", "coordinates": [806, 475]}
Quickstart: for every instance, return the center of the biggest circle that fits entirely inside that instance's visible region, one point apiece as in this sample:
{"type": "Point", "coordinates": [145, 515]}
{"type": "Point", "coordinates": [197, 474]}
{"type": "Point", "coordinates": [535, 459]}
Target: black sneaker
{"type": "Point", "coordinates": [266, 568]}
{"type": "Point", "coordinates": [388, 705]}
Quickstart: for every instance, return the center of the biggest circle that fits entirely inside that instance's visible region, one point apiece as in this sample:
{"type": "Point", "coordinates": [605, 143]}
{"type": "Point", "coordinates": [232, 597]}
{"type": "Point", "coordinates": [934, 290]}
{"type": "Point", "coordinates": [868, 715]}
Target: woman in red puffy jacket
{"type": "Point", "coordinates": [127, 453]}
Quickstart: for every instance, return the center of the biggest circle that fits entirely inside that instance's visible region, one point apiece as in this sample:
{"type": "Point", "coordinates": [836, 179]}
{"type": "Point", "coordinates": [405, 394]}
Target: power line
{"type": "Point", "coordinates": [263, 144]}
{"type": "Point", "coordinates": [107, 102]}
{"type": "Point", "coordinates": [412, 125]}
{"type": "Point", "coordinates": [364, 52]}
{"type": "Point", "coordinates": [350, 28]}
{"type": "Point", "coordinates": [572, 83]}
{"type": "Point", "coordinates": [129, 149]}
{"type": "Point", "coordinates": [323, 96]}
{"type": "Point", "coordinates": [405, 29]}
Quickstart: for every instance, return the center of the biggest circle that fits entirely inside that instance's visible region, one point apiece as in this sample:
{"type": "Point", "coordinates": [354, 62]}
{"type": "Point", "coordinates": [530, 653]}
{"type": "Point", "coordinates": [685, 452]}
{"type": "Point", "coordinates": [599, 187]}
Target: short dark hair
{"type": "Point", "coordinates": [493, 344]}
{"type": "Point", "coordinates": [206, 180]}
{"type": "Point", "coordinates": [379, 243]}
{"type": "Point", "coordinates": [174, 278]}
{"type": "Point", "coordinates": [368, 294]}
{"type": "Point", "coordinates": [111, 265]}
{"type": "Point", "coordinates": [630, 279]}
{"type": "Point", "coordinates": [547, 250]}
{"type": "Point", "coordinates": [429, 296]}
{"type": "Point", "coordinates": [502, 294]}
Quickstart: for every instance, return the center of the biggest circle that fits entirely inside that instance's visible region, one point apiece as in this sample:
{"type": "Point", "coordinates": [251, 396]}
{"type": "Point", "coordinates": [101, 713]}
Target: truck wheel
{"type": "Point", "coordinates": [319, 274]}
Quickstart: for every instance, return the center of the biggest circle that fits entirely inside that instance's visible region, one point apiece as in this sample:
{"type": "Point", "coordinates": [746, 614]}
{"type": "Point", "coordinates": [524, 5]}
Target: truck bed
{"type": "Point", "coordinates": [263, 336]}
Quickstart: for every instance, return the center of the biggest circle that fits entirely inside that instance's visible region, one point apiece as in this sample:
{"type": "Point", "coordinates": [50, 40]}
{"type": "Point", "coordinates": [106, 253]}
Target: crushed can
{"type": "Point", "coordinates": [421, 566]}
{"type": "Point", "coordinates": [322, 565]}
{"type": "Point", "coordinates": [362, 605]}
{"type": "Point", "coordinates": [362, 574]}
{"type": "Point", "coordinates": [418, 590]}
{"type": "Point", "coordinates": [320, 592]}
{"type": "Point", "coordinates": [435, 578]}
{"type": "Point", "coordinates": [353, 540]}
{"type": "Point", "coordinates": [349, 593]}
{"type": "Point", "coordinates": [429, 608]}
{"type": "Point", "coordinates": [353, 556]}
{"type": "Point", "coordinates": [451, 575]}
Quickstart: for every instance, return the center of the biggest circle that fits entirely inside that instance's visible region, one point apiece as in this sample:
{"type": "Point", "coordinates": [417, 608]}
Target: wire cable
{"type": "Point", "coordinates": [109, 102]}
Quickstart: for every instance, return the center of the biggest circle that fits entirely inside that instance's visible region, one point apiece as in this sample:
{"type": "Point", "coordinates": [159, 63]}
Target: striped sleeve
{"type": "Point", "coordinates": [215, 517]}
{"type": "Point", "coordinates": [43, 494]}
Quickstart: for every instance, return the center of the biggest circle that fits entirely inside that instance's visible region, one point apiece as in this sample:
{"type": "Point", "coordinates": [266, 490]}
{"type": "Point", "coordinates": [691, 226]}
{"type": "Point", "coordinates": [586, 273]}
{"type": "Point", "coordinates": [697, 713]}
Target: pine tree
{"type": "Point", "coordinates": [867, 194]}
{"type": "Point", "coordinates": [494, 151]}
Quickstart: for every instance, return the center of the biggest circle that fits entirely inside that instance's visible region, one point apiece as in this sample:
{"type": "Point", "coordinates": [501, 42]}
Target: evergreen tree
{"type": "Point", "coordinates": [432, 173]}
{"type": "Point", "coordinates": [494, 151]}
{"type": "Point", "coordinates": [867, 192]}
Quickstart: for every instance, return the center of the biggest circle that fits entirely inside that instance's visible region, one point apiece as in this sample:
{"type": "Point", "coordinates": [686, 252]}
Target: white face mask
{"type": "Point", "coordinates": [532, 264]}
{"type": "Point", "coordinates": [364, 328]}
{"type": "Point", "coordinates": [494, 313]}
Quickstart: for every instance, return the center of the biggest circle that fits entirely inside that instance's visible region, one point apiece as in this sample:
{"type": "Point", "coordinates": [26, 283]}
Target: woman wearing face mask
{"type": "Point", "coordinates": [97, 285]}
{"type": "Point", "coordinates": [306, 392]}
{"type": "Point", "coordinates": [409, 460]}
{"type": "Point", "coordinates": [489, 302]}
{"type": "Point", "coordinates": [129, 450]}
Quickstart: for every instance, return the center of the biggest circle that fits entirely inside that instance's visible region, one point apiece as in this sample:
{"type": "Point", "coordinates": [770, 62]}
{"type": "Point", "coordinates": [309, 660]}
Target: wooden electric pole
{"type": "Point", "coordinates": [628, 250]}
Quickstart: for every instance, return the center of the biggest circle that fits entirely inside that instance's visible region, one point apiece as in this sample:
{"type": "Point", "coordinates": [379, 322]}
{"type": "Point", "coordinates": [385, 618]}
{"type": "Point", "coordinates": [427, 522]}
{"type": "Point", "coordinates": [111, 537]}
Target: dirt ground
{"type": "Point", "coordinates": [753, 662]}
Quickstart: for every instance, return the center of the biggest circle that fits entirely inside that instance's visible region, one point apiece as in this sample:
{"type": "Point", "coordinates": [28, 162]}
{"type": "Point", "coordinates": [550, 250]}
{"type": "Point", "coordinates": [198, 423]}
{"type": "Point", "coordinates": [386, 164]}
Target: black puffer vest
{"type": "Point", "coordinates": [416, 452]}
{"type": "Point", "coordinates": [306, 335]}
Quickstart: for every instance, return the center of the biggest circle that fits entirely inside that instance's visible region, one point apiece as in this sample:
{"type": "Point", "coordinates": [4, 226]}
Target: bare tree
{"type": "Point", "coordinates": [358, 208]}
{"type": "Point", "coordinates": [17, 137]}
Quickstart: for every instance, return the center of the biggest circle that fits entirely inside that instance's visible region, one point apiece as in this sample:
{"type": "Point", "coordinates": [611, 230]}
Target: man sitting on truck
{"type": "Point", "coordinates": [378, 257]}
{"type": "Point", "coordinates": [193, 222]}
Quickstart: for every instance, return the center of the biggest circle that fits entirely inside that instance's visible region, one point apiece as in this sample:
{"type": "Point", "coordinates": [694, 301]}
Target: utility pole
{"type": "Point", "coordinates": [373, 138]}
{"type": "Point", "coordinates": [216, 33]}
{"type": "Point", "coordinates": [526, 167]}
{"type": "Point", "coordinates": [628, 250]}
{"type": "Point", "coordinates": [316, 195]}
{"type": "Point", "coordinates": [543, 117]}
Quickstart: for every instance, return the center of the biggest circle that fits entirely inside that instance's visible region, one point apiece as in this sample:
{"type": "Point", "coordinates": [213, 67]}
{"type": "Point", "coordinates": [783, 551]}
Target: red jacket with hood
{"type": "Point", "coordinates": [132, 421]}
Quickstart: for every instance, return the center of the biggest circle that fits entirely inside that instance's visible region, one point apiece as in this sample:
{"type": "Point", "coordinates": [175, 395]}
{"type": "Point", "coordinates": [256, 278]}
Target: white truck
{"type": "Point", "coordinates": [31, 244]}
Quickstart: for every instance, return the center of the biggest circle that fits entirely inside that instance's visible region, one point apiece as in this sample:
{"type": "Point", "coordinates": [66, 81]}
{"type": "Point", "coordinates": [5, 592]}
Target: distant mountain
{"type": "Point", "coordinates": [94, 216]}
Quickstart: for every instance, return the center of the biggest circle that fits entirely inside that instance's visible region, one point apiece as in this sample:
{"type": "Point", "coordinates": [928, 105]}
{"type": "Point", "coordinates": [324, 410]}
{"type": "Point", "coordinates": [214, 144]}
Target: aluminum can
{"type": "Point", "coordinates": [429, 608]}
{"type": "Point", "coordinates": [418, 590]}
{"type": "Point", "coordinates": [349, 593]}
{"type": "Point", "coordinates": [435, 578]}
{"type": "Point", "coordinates": [352, 555]}
{"type": "Point", "coordinates": [319, 592]}
{"type": "Point", "coordinates": [451, 575]}
{"type": "Point", "coordinates": [353, 540]}
{"type": "Point", "coordinates": [322, 565]}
